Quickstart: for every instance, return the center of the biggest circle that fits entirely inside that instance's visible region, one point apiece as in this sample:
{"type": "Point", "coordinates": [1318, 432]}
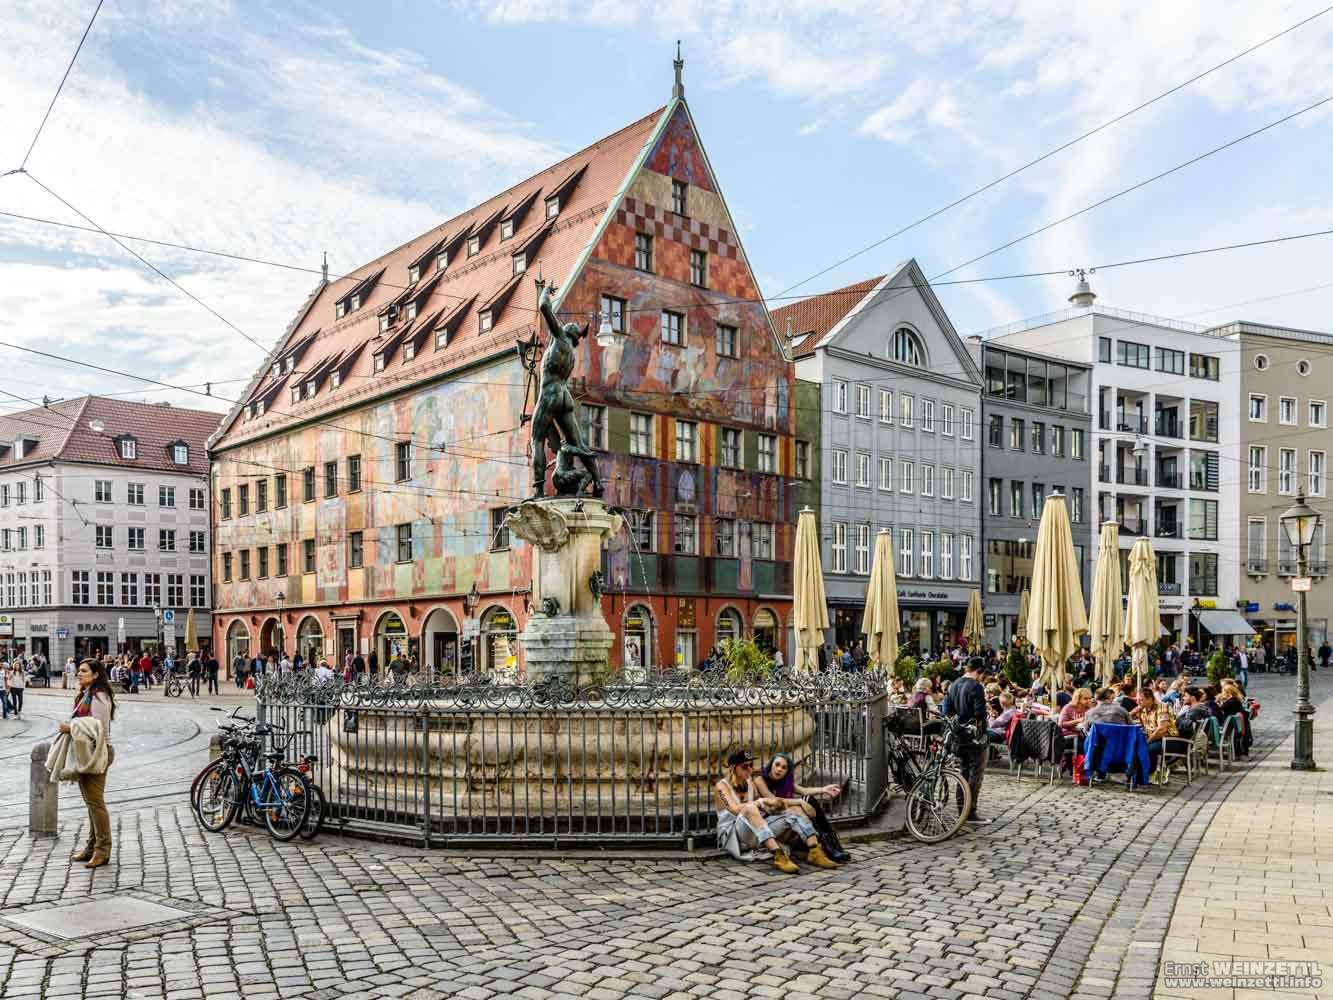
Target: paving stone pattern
{"type": "Point", "coordinates": [1069, 893]}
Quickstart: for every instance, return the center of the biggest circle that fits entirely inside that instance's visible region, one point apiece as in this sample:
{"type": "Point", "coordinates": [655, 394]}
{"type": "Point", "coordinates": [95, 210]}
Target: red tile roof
{"type": "Point", "coordinates": [64, 432]}
{"type": "Point", "coordinates": [819, 314]}
{"type": "Point", "coordinates": [588, 182]}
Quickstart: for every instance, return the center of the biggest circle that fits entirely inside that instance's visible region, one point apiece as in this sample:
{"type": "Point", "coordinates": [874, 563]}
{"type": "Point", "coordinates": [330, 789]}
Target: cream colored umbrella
{"type": "Point", "coordinates": [1021, 626]}
{"type": "Point", "coordinates": [1055, 617]}
{"type": "Point", "coordinates": [809, 603]}
{"type": "Point", "coordinates": [191, 635]}
{"type": "Point", "coordinates": [881, 623]}
{"type": "Point", "coordinates": [1106, 618]}
{"type": "Point", "coordinates": [972, 624]}
{"type": "Point", "coordinates": [1143, 620]}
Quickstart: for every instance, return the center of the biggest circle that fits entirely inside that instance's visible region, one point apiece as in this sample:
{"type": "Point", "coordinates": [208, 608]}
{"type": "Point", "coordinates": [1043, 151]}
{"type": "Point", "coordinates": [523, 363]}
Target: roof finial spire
{"type": "Point", "coordinates": [326, 267]}
{"type": "Point", "coordinates": [678, 91]}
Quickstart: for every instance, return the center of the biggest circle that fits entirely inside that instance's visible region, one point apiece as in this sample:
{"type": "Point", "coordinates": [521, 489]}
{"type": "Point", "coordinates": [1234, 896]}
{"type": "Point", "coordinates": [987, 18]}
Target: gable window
{"type": "Point", "coordinates": [552, 206]}
{"type": "Point", "coordinates": [473, 246]}
{"type": "Point", "coordinates": [725, 340]}
{"type": "Point", "coordinates": [673, 328]}
{"type": "Point", "coordinates": [384, 322]}
{"type": "Point", "coordinates": [678, 197]}
{"type": "Point", "coordinates": [129, 448]}
{"type": "Point", "coordinates": [643, 252]}
{"type": "Point", "coordinates": [907, 348]}
{"type": "Point", "coordinates": [180, 454]}
{"type": "Point", "coordinates": [442, 260]}
{"type": "Point", "coordinates": [698, 268]}
{"type": "Point", "coordinates": [410, 313]}
{"type": "Point", "coordinates": [414, 274]}
{"type": "Point", "coordinates": [485, 320]}
{"type": "Point", "coordinates": [402, 461]}
{"type": "Point", "coordinates": [520, 263]}
{"type": "Point", "coordinates": [506, 230]}
{"type": "Point", "coordinates": [613, 313]}
{"type": "Point", "coordinates": [409, 350]}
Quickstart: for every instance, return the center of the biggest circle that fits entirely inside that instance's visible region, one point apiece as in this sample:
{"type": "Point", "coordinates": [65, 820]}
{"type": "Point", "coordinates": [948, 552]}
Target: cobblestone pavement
{"type": "Point", "coordinates": [1069, 893]}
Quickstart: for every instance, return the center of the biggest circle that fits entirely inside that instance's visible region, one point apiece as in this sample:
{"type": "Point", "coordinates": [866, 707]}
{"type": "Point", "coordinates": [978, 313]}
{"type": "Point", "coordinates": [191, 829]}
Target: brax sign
{"type": "Point", "coordinates": [91, 626]}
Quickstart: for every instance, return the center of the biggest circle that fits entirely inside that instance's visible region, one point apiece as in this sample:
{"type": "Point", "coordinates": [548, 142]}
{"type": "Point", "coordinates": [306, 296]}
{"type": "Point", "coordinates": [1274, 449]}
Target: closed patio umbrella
{"type": "Point", "coordinates": [972, 624]}
{"type": "Point", "coordinates": [1055, 617]}
{"type": "Point", "coordinates": [1021, 626]}
{"type": "Point", "coordinates": [191, 636]}
{"type": "Point", "coordinates": [1106, 619]}
{"type": "Point", "coordinates": [880, 623]}
{"type": "Point", "coordinates": [1143, 620]}
{"type": "Point", "coordinates": [809, 603]}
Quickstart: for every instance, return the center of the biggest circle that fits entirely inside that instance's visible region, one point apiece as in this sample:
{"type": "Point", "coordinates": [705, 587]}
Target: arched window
{"type": "Point", "coordinates": [907, 348]}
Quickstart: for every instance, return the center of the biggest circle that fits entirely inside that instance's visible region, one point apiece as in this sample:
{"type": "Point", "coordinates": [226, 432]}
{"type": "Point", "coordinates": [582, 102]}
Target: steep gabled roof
{"type": "Point", "coordinates": [814, 317]}
{"type": "Point", "coordinates": [588, 181]}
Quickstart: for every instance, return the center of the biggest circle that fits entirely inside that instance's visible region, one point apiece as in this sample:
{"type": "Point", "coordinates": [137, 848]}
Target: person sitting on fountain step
{"type": "Point", "coordinates": [742, 826]}
{"type": "Point", "coordinates": [778, 781]}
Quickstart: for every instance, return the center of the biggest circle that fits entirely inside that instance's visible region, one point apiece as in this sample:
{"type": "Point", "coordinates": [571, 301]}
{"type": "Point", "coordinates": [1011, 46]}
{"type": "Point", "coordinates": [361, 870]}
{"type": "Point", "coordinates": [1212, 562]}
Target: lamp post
{"type": "Point", "coordinates": [281, 598]}
{"type": "Point", "coordinates": [1299, 523]}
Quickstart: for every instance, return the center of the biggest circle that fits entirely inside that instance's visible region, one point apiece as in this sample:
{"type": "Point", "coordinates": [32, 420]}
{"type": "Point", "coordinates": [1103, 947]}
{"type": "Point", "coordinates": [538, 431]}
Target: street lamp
{"type": "Point", "coordinates": [281, 597]}
{"type": "Point", "coordinates": [1299, 523]}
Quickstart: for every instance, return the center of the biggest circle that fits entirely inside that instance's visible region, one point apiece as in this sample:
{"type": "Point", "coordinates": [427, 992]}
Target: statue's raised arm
{"type": "Point", "coordinates": [544, 304]}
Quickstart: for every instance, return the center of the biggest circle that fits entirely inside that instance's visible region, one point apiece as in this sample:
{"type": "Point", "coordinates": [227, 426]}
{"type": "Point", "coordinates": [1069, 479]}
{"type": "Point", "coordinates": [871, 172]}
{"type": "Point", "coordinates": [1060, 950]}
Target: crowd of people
{"type": "Point", "coordinates": [19, 670]}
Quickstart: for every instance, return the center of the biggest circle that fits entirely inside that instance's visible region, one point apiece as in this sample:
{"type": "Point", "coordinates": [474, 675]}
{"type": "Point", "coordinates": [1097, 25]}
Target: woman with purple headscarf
{"type": "Point", "coordinates": [778, 780]}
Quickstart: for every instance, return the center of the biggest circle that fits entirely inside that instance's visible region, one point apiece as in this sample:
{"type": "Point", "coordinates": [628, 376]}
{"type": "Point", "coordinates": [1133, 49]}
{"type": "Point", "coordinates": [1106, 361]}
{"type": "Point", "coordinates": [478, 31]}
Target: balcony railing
{"type": "Point", "coordinates": [1170, 428]}
{"type": "Point", "coordinates": [1103, 473]}
{"type": "Point", "coordinates": [1130, 423]}
{"type": "Point", "coordinates": [1319, 568]}
{"type": "Point", "coordinates": [1289, 567]}
{"type": "Point", "coordinates": [1174, 530]}
{"type": "Point", "coordinates": [1131, 477]}
{"type": "Point", "coordinates": [1286, 567]}
{"type": "Point", "coordinates": [1103, 421]}
{"type": "Point", "coordinates": [1168, 589]}
{"type": "Point", "coordinates": [1131, 526]}
{"type": "Point", "coordinates": [1256, 567]}
{"type": "Point", "coordinates": [1169, 481]}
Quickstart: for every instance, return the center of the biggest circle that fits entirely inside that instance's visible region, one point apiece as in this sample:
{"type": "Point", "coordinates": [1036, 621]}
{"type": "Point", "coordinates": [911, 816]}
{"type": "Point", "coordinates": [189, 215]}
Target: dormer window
{"type": "Point", "coordinates": [310, 388]}
{"type": "Point", "coordinates": [384, 323]}
{"type": "Point", "coordinates": [409, 351]}
{"type": "Point", "coordinates": [485, 318]}
{"type": "Point", "coordinates": [127, 447]}
{"type": "Point", "coordinates": [276, 370]}
{"type": "Point", "coordinates": [340, 310]}
{"type": "Point", "coordinates": [335, 380]}
{"type": "Point", "coordinates": [473, 246]}
{"type": "Point", "coordinates": [552, 206]}
{"type": "Point", "coordinates": [355, 304]}
{"type": "Point", "coordinates": [379, 362]}
{"type": "Point", "coordinates": [296, 394]}
{"type": "Point", "coordinates": [678, 197]}
{"type": "Point", "coordinates": [250, 412]}
{"type": "Point", "coordinates": [520, 263]}
{"type": "Point", "coordinates": [442, 260]}
{"type": "Point", "coordinates": [411, 311]}
{"type": "Point", "coordinates": [414, 274]}
{"type": "Point", "coordinates": [291, 363]}
{"type": "Point", "coordinates": [180, 453]}
{"type": "Point", "coordinates": [506, 230]}
{"type": "Point", "coordinates": [259, 408]}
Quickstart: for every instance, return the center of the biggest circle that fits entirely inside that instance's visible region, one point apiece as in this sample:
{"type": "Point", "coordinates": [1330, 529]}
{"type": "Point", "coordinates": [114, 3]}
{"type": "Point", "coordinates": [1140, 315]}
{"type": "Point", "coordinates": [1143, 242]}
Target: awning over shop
{"type": "Point", "coordinates": [1224, 623]}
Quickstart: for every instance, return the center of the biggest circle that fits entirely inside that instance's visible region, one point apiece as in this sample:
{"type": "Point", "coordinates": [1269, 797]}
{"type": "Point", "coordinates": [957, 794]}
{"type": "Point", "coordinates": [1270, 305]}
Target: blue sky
{"type": "Point", "coordinates": [351, 127]}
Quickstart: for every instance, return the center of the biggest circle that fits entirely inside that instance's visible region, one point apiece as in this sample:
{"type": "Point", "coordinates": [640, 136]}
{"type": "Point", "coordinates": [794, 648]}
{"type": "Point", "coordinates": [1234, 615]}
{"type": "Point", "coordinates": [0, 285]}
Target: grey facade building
{"type": "Point", "coordinates": [897, 433]}
{"type": "Point", "coordinates": [1036, 429]}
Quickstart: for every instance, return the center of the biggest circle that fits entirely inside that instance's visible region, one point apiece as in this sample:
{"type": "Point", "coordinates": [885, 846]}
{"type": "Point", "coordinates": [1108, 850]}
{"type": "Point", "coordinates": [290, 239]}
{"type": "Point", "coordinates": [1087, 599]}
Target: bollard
{"type": "Point", "coordinates": [43, 795]}
{"type": "Point", "coordinates": [215, 746]}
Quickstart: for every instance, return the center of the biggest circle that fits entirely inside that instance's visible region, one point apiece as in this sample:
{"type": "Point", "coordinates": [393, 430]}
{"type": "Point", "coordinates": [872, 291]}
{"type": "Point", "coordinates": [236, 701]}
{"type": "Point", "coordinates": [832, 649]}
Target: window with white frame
{"type": "Point", "coordinates": [673, 328]}
{"type": "Point", "coordinates": [946, 419]}
{"type": "Point", "coordinates": [886, 474]}
{"type": "Point", "coordinates": [927, 482]}
{"type": "Point", "coordinates": [886, 406]}
{"type": "Point", "coordinates": [1318, 415]}
{"type": "Point", "coordinates": [840, 466]}
{"type": "Point", "coordinates": [642, 530]}
{"type": "Point", "coordinates": [965, 557]}
{"type": "Point", "coordinates": [965, 424]}
{"type": "Point", "coordinates": [761, 539]}
{"type": "Point", "coordinates": [906, 553]}
{"type": "Point", "coordinates": [839, 395]}
{"type": "Point", "coordinates": [965, 487]}
{"type": "Point", "coordinates": [927, 554]}
{"type": "Point", "coordinates": [802, 459]}
{"type": "Point", "coordinates": [1258, 478]}
{"type": "Point", "coordinates": [946, 482]}
{"type": "Point", "coordinates": [863, 548]}
{"type": "Point", "coordinates": [839, 547]}
{"type": "Point", "coordinates": [1286, 470]}
{"type": "Point", "coordinates": [863, 401]}
{"type": "Point", "coordinates": [724, 537]}
{"type": "Point", "coordinates": [768, 453]}
{"type": "Point", "coordinates": [1256, 544]}
{"type": "Point", "coordinates": [1315, 487]}
{"type": "Point", "coordinates": [1258, 407]}
{"type": "Point", "coordinates": [1286, 410]}
{"type": "Point", "coordinates": [946, 556]}
{"type": "Point", "coordinates": [687, 441]}
{"type": "Point", "coordinates": [862, 469]}
{"type": "Point", "coordinates": [640, 434]}
{"type": "Point", "coordinates": [686, 536]}
{"type": "Point", "coordinates": [594, 426]}
{"type": "Point", "coordinates": [730, 439]}
{"type": "Point", "coordinates": [101, 490]}
{"type": "Point", "coordinates": [102, 535]}
{"type": "Point", "coordinates": [134, 539]}
{"type": "Point", "coordinates": [908, 477]}
{"type": "Point", "coordinates": [906, 405]}
{"type": "Point", "coordinates": [928, 415]}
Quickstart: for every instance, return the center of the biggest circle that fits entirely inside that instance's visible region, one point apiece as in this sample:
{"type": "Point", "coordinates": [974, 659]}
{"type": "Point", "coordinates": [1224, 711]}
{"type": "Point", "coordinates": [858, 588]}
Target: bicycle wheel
{"type": "Point", "coordinates": [937, 805]}
{"type": "Point", "coordinates": [284, 803]}
{"type": "Point", "coordinates": [175, 689]}
{"type": "Point", "coordinates": [218, 796]}
{"type": "Point", "coordinates": [314, 817]}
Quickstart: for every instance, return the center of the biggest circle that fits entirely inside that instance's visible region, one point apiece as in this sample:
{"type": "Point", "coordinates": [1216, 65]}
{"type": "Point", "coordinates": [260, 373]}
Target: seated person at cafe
{"type": "Point", "coordinates": [921, 698]}
{"type": "Point", "coordinates": [746, 821]}
{"type": "Point", "coordinates": [1128, 699]}
{"type": "Point", "coordinates": [1107, 709]}
{"type": "Point", "coordinates": [1210, 703]}
{"type": "Point", "coordinates": [1065, 695]}
{"type": "Point", "coordinates": [1172, 695]}
{"type": "Point", "coordinates": [1192, 713]}
{"type": "Point", "coordinates": [1077, 707]}
{"type": "Point", "coordinates": [1157, 721]}
{"type": "Point", "coordinates": [998, 727]}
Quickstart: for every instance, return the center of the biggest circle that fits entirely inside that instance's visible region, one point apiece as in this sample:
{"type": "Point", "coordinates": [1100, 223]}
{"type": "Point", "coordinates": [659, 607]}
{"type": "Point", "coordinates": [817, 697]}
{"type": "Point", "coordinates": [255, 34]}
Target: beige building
{"type": "Point", "coordinates": [1286, 386]}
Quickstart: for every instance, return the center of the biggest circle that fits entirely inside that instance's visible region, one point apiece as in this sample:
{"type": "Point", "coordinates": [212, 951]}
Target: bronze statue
{"type": "Point", "coordinates": [554, 426]}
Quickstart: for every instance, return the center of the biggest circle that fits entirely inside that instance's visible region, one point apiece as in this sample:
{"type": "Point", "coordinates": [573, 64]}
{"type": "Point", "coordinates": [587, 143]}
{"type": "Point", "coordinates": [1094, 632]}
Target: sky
{"type": "Point", "coordinates": [287, 131]}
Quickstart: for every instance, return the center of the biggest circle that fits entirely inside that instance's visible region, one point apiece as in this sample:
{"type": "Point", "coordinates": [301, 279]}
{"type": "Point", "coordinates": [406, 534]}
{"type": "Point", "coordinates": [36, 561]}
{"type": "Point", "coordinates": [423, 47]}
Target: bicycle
{"type": "Point", "coordinates": [314, 821]}
{"type": "Point", "coordinates": [938, 796]}
{"type": "Point", "coordinates": [277, 794]}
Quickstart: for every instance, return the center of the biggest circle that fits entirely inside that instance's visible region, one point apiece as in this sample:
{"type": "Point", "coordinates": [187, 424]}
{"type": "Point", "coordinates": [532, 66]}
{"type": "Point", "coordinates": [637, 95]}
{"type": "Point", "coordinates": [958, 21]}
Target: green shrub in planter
{"type": "Point", "coordinates": [1219, 666]}
{"type": "Point", "coordinates": [1017, 670]}
{"type": "Point", "coordinates": [942, 670]}
{"type": "Point", "coordinates": [746, 662]}
{"type": "Point", "coordinates": [906, 669]}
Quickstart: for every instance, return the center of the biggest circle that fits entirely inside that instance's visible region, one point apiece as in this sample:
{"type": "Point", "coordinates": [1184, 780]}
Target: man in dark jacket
{"type": "Point", "coordinates": [966, 701]}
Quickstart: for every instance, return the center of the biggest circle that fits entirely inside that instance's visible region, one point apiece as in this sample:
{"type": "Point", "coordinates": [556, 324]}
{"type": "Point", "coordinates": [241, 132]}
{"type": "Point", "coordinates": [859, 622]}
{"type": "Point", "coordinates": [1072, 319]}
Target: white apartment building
{"type": "Point", "coordinates": [1166, 449]}
{"type": "Point", "coordinates": [104, 526]}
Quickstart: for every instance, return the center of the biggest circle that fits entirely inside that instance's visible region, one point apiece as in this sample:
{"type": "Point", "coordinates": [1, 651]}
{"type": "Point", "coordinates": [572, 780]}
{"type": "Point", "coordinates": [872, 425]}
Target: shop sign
{"type": "Point", "coordinates": [39, 628]}
{"type": "Point", "coordinates": [923, 595]}
{"type": "Point", "coordinates": [393, 625]}
{"type": "Point", "coordinates": [62, 632]}
{"type": "Point", "coordinates": [91, 626]}
{"type": "Point", "coordinates": [685, 613]}
{"type": "Point", "coordinates": [1251, 607]}
{"type": "Point", "coordinates": [1284, 606]}
{"type": "Point", "coordinates": [634, 622]}
{"type": "Point", "coordinates": [1207, 604]}
{"type": "Point", "coordinates": [6, 624]}
{"type": "Point", "coordinates": [990, 620]}
{"type": "Point", "coordinates": [1300, 584]}
{"type": "Point", "coordinates": [501, 621]}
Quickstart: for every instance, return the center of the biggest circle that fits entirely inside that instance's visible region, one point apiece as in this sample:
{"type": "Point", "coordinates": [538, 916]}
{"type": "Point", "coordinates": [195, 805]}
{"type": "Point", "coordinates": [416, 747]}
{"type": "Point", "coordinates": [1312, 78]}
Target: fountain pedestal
{"type": "Point", "coordinates": [567, 635]}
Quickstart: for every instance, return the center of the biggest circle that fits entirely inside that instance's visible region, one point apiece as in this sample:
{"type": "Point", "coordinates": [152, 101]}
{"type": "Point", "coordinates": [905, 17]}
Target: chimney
{"type": "Point", "coordinates": [678, 91]}
{"type": "Point", "coordinates": [1083, 295]}
{"type": "Point", "coordinates": [325, 268]}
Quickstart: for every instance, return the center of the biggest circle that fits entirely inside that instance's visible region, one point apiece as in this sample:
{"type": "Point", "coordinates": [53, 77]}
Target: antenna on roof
{"type": "Point", "coordinates": [208, 388]}
{"type": "Point", "coordinates": [326, 267]}
{"type": "Point", "coordinates": [678, 91]}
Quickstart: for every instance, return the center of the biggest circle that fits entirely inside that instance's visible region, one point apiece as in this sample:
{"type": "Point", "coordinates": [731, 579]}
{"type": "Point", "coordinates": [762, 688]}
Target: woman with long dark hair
{"type": "Point", "coordinates": [778, 781]}
{"type": "Point", "coordinates": [95, 699]}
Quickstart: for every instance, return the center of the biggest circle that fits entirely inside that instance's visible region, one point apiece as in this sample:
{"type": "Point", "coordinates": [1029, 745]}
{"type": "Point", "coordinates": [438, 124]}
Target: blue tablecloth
{"type": "Point", "coordinates": [1124, 748]}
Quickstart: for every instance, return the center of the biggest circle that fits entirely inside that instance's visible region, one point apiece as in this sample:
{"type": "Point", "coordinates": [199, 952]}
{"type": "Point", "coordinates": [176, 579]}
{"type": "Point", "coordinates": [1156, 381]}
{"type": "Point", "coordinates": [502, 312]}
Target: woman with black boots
{"type": "Point", "coordinates": [778, 780]}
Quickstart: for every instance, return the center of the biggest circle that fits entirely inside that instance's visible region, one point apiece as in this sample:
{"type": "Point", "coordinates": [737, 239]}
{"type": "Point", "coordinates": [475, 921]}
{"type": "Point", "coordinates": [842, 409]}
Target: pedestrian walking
{"type": "Point", "coordinates": [194, 668]}
{"type": "Point", "coordinates": [4, 694]}
{"type": "Point", "coordinates": [211, 668]}
{"type": "Point", "coordinates": [95, 700]}
{"type": "Point", "coordinates": [238, 670]}
{"type": "Point", "coordinates": [966, 701]}
{"type": "Point", "coordinates": [18, 680]}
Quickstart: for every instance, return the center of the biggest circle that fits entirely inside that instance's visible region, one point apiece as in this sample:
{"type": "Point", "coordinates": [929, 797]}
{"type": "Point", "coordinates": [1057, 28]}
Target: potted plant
{"type": "Point", "coordinates": [746, 663]}
{"type": "Point", "coordinates": [1219, 666]}
{"type": "Point", "coordinates": [1016, 668]}
{"type": "Point", "coordinates": [906, 669]}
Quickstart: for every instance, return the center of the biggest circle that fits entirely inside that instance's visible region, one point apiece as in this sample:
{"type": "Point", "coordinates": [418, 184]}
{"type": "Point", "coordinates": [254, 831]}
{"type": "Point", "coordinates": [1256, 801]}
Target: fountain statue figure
{"type": "Point", "coordinates": [554, 426]}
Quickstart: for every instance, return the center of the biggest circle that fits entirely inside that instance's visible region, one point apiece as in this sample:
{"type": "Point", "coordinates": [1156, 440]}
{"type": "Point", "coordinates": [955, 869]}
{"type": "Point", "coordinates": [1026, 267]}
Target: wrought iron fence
{"type": "Point", "coordinates": [628, 760]}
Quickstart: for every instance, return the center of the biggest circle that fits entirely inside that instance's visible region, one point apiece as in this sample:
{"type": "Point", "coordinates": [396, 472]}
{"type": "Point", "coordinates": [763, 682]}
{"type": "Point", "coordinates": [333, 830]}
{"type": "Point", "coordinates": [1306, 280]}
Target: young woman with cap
{"type": "Point", "coordinates": [778, 780]}
{"type": "Point", "coordinates": [743, 827]}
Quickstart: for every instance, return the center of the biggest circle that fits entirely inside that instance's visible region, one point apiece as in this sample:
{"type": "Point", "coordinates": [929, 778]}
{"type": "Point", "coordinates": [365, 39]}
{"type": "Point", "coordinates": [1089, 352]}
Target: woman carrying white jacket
{"type": "Point", "coordinates": [94, 699]}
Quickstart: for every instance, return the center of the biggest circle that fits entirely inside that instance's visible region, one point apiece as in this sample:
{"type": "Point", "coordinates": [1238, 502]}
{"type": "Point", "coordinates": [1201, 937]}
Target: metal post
{"type": "Point", "coordinates": [43, 795]}
{"type": "Point", "coordinates": [1303, 750]}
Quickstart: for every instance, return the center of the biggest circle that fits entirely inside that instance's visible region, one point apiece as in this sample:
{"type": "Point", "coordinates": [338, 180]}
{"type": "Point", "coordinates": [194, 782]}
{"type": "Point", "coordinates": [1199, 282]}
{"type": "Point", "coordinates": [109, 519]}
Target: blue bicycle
{"type": "Point", "coordinates": [277, 794]}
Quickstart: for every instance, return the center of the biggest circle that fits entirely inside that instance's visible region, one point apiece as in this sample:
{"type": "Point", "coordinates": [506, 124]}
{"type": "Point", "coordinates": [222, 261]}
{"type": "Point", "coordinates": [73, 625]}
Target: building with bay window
{"type": "Point", "coordinates": [889, 426]}
{"type": "Point", "coordinates": [104, 527]}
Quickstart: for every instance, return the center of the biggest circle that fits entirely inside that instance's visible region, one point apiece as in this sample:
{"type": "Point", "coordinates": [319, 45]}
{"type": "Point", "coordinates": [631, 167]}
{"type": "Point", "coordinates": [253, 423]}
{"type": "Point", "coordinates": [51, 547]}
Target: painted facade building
{"type": "Point", "coordinates": [1036, 431]}
{"type": "Point", "coordinates": [362, 483]}
{"type": "Point", "coordinates": [894, 423]}
{"type": "Point", "coordinates": [104, 527]}
{"type": "Point", "coordinates": [1285, 444]}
